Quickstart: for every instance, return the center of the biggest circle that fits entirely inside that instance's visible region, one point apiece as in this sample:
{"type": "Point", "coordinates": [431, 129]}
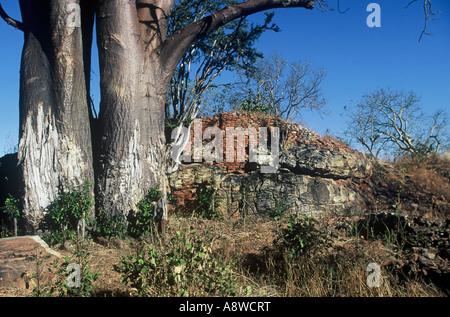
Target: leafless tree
{"type": "Point", "coordinates": [286, 88]}
{"type": "Point", "coordinates": [361, 129]}
{"type": "Point", "coordinates": [387, 119]}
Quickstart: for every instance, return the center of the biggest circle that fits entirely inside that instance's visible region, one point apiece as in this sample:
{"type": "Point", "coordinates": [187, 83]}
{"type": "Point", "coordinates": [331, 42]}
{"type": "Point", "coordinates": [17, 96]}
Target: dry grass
{"type": "Point", "coordinates": [335, 269]}
{"type": "Point", "coordinates": [430, 175]}
{"type": "Point", "coordinates": [338, 268]}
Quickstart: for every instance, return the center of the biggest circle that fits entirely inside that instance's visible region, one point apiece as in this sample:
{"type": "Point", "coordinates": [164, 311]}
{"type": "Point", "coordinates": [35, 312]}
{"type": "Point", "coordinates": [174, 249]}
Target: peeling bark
{"type": "Point", "coordinates": [130, 115]}
{"type": "Point", "coordinates": [55, 147]}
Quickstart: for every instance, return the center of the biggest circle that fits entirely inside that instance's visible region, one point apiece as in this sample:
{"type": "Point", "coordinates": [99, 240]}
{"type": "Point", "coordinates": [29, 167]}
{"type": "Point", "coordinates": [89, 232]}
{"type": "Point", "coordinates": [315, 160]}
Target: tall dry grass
{"type": "Point", "coordinates": [330, 270]}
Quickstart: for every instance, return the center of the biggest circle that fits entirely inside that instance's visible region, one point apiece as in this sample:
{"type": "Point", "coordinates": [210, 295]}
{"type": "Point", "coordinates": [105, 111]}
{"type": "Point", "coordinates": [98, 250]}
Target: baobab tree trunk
{"type": "Point", "coordinates": [55, 141]}
{"type": "Point", "coordinates": [61, 143]}
{"type": "Point", "coordinates": [131, 111]}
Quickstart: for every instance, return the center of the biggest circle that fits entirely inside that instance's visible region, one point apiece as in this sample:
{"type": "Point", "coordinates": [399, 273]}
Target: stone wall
{"type": "Point", "coordinates": [315, 175]}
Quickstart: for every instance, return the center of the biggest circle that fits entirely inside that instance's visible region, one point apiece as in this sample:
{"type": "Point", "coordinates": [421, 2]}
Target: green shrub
{"type": "Point", "coordinates": [143, 271]}
{"type": "Point", "coordinates": [12, 212]}
{"type": "Point", "coordinates": [208, 201]}
{"type": "Point", "coordinates": [300, 237]}
{"type": "Point", "coordinates": [110, 226]}
{"type": "Point", "coordinates": [187, 268]}
{"type": "Point", "coordinates": [143, 224]}
{"type": "Point", "coordinates": [254, 103]}
{"type": "Point", "coordinates": [63, 215]}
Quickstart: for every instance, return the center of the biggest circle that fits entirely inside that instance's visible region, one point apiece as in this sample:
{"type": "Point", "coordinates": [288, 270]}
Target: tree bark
{"type": "Point", "coordinates": [131, 115]}
{"type": "Point", "coordinates": [55, 141]}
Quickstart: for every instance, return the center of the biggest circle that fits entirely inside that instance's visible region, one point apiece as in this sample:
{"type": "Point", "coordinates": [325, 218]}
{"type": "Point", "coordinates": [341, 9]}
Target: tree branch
{"type": "Point", "coordinates": [173, 49]}
{"type": "Point", "coordinates": [17, 24]}
{"type": "Point", "coordinates": [429, 13]}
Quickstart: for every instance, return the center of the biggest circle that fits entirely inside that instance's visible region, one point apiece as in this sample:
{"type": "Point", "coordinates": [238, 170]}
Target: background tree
{"type": "Point", "coordinates": [361, 129]}
{"type": "Point", "coordinates": [284, 89]}
{"type": "Point", "coordinates": [387, 120]}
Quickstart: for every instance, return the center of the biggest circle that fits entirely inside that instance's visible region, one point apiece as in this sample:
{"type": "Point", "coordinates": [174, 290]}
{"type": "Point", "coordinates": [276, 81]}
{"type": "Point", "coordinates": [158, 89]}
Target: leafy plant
{"type": "Point", "coordinates": [142, 271]}
{"type": "Point", "coordinates": [191, 262]}
{"type": "Point", "coordinates": [279, 210]}
{"type": "Point", "coordinates": [11, 211]}
{"type": "Point", "coordinates": [254, 103]}
{"type": "Point", "coordinates": [143, 224]}
{"type": "Point", "coordinates": [64, 214]}
{"type": "Point", "coordinates": [187, 268]}
{"type": "Point", "coordinates": [208, 201]}
{"type": "Point", "coordinates": [110, 226]}
{"type": "Point", "coordinates": [300, 236]}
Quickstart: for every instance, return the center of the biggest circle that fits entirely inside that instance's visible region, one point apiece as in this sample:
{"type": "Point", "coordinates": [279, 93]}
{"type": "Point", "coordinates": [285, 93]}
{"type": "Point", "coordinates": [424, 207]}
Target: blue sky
{"type": "Point", "coordinates": [357, 59]}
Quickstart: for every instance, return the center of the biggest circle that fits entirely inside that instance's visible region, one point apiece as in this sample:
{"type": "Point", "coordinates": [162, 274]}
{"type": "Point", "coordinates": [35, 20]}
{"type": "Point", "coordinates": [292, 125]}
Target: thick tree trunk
{"type": "Point", "coordinates": [55, 147]}
{"type": "Point", "coordinates": [131, 111]}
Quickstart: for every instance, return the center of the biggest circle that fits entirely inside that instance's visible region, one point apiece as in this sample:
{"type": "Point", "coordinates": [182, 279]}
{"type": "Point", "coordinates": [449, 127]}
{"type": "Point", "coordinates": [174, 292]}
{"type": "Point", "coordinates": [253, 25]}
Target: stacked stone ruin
{"type": "Point", "coordinates": [313, 176]}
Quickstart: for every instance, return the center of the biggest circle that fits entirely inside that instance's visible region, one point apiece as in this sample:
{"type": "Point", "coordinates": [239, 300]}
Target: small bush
{"type": "Point", "coordinates": [143, 223]}
{"type": "Point", "coordinates": [300, 236]}
{"type": "Point", "coordinates": [110, 226]}
{"type": "Point", "coordinates": [187, 268]}
{"type": "Point", "coordinates": [208, 201]}
{"type": "Point", "coordinates": [143, 271]}
{"type": "Point", "coordinates": [63, 215]}
{"type": "Point", "coordinates": [12, 212]}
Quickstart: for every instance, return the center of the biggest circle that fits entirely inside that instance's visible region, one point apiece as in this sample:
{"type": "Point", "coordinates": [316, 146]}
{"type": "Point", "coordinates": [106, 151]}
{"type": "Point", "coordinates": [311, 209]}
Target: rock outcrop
{"type": "Point", "coordinates": [315, 174]}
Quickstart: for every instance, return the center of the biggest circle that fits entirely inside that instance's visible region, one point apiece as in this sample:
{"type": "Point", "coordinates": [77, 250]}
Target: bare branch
{"type": "Point", "coordinates": [429, 14]}
{"type": "Point", "coordinates": [17, 24]}
{"type": "Point", "coordinates": [339, 8]}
